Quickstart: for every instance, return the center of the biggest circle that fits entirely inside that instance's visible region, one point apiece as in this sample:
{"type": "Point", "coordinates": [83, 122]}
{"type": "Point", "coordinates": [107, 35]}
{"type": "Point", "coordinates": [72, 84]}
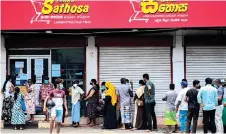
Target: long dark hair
{"type": "Point", "coordinates": [95, 83]}
{"type": "Point", "coordinates": [17, 91]}
{"type": "Point", "coordinates": [8, 77]}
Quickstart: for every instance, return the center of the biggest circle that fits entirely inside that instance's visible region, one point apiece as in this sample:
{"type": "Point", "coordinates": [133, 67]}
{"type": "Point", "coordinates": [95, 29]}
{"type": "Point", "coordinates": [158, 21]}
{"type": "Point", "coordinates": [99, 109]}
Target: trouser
{"type": "Point", "coordinates": [183, 120]}
{"type": "Point", "coordinates": [209, 116]}
{"type": "Point", "coordinates": [218, 119]}
{"type": "Point", "coordinates": [150, 115]}
{"type": "Point", "coordinates": [193, 114]}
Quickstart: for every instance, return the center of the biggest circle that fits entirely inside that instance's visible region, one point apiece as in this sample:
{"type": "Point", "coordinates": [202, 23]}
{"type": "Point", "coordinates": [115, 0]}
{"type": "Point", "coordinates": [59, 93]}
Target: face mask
{"type": "Point", "coordinates": [75, 85]}
{"type": "Point", "coordinates": [46, 81]}
{"type": "Point", "coordinates": [198, 87]}
{"type": "Point", "coordinates": [91, 83]}
{"type": "Point", "coordinates": [61, 86]}
{"type": "Point", "coordinates": [215, 85]}
{"type": "Point", "coordinates": [103, 88]}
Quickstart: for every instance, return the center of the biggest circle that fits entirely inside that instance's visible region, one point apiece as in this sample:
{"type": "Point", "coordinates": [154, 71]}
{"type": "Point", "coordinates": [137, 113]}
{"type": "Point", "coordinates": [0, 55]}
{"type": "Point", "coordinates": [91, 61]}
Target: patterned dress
{"type": "Point", "coordinates": [30, 99]}
{"type": "Point", "coordinates": [93, 102]}
{"type": "Point", "coordinates": [6, 108]}
{"type": "Point", "coordinates": [18, 116]}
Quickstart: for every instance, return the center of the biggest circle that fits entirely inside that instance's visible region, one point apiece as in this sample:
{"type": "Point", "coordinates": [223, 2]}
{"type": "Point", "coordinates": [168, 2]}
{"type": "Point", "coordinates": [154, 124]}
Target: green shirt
{"type": "Point", "coordinates": [151, 98]}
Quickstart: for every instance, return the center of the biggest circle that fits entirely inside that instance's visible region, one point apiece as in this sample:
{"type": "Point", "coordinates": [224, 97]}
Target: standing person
{"type": "Point", "coordinates": [58, 97]}
{"type": "Point", "coordinates": [193, 106]}
{"type": "Point", "coordinates": [125, 104]}
{"type": "Point", "coordinates": [110, 106]}
{"type": "Point", "coordinates": [182, 106]}
{"type": "Point", "coordinates": [170, 111]}
{"type": "Point", "coordinates": [30, 98]}
{"type": "Point", "coordinates": [139, 117]}
{"type": "Point", "coordinates": [18, 116]}
{"type": "Point", "coordinates": [76, 96]}
{"type": "Point", "coordinates": [7, 91]}
{"type": "Point", "coordinates": [208, 100]}
{"type": "Point", "coordinates": [149, 96]}
{"type": "Point", "coordinates": [65, 91]}
{"type": "Point", "coordinates": [45, 89]}
{"type": "Point", "coordinates": [219, 107]}
{"type": "Point", "coordinates": [224, 110]}
{"type": "Point", "coordinates": [93, 102]}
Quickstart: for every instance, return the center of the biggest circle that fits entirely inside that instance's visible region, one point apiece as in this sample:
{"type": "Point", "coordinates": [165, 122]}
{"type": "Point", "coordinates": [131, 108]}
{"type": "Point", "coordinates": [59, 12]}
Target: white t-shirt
{"type": "Point", "coordinates": [7, 89]}
{"type": "Point", "coordinates": [181, 97]}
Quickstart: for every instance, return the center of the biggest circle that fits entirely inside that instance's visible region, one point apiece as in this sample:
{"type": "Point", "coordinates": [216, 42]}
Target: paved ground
{"type": "Point", "coordinates": [83, 129]}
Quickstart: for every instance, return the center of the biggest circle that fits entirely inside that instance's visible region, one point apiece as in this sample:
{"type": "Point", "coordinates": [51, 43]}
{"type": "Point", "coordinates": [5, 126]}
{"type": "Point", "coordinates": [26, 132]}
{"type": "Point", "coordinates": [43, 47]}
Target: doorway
{"type": "Point", "coordinates": [22, 68]}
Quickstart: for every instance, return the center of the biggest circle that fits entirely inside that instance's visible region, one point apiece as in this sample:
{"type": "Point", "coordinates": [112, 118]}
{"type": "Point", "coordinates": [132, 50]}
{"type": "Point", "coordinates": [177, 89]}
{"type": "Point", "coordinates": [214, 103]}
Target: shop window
{"type": "Point", "coordinates": [71, 63]}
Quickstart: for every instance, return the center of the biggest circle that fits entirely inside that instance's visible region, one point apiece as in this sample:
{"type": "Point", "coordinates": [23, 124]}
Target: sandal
{"type": "Point", "coordinates": [15, 128]}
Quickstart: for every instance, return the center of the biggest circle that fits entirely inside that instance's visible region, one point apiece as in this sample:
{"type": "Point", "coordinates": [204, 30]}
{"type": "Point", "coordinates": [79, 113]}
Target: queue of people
{"type": "Point", "coordinates": [187, 103]}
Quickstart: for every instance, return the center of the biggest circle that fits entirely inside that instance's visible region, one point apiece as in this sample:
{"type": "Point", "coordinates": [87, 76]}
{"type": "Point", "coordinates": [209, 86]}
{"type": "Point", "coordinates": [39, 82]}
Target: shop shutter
{"type": "Point", "coordinates": [205, 61]}
{"type": "Point", "coordinates": [132, 62]}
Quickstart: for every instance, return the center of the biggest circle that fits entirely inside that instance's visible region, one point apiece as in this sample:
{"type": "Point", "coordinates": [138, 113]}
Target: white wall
{"type": "Point", "coordinates": [91, 61]}
{"type": "Point", "coordinates": [178, 59]}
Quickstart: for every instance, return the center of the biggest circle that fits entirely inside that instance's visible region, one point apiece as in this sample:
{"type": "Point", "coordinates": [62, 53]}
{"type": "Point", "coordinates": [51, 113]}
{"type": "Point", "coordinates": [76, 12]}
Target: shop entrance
{"type": "Point", "coordinates": [22, 68]}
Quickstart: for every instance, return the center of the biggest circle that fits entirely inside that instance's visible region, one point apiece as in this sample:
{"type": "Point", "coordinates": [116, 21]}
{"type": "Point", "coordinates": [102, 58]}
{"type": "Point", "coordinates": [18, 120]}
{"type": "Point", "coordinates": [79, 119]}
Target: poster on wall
{"type": "Point", "coordinates": [56, 71]}
{"type": "Point", "coordinates": [19, 64]}
{"type": "Point", "coordinates": [38, 79]}
{"type": "Point", "coordinates": [39, 67]}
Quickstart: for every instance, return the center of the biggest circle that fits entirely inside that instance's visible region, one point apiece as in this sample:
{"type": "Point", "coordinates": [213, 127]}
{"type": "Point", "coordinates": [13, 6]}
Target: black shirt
{"type": "Point", "coordinates": [192, 98]}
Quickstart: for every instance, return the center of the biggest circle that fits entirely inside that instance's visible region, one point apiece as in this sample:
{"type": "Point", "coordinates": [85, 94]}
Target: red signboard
{"type": "Point", "coordinates": [75, 14]}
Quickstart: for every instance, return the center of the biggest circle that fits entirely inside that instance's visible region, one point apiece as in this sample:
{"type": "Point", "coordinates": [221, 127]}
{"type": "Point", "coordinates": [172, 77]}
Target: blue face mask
{"type": "Point", "coordinates": [46, 81]}
{"type": "Point", "coordinates": [215, 85]}
{"type": "Point", "coordinates": [103, 88]}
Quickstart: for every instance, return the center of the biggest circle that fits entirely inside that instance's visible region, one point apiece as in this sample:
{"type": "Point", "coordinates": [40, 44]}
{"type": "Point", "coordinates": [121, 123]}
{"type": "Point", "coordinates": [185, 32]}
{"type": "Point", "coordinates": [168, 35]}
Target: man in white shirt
{"type": "Point", "coordinates": [182, 106]}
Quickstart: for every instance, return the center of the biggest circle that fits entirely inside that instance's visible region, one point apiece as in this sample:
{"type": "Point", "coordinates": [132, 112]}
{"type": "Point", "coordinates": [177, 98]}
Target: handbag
{"type": "Point", "coordinates": [23, 104]}
{"type": "Point", "coordinates": [140, 103]}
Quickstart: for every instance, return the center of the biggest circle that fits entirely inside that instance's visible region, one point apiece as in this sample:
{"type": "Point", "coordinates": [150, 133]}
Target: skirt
{"type": "Point", "coordinates": [170, 117]}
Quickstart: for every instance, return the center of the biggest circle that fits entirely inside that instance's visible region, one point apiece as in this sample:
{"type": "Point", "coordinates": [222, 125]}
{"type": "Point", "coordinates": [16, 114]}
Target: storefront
{"type": "Point", "coordinates": [65, 61]}
{"type": "Point", "coordinates": [205, 57]}
{"type": "Point", "coordinates": [131, 57]}
{"type": "Point", "coordinates": [100, 42]}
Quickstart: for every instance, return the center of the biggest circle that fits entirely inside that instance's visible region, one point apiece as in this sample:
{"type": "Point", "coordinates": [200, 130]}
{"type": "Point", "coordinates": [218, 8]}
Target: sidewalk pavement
{"type": "Point", "coordinates": [82, 129]}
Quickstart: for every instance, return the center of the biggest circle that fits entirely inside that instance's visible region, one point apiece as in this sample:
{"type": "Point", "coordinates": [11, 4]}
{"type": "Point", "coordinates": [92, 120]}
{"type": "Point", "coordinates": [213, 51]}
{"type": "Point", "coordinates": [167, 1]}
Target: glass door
{"type": "Point", "coordinates": [22, 68]}
{"type": "Point", "coordinates": [40, 67]}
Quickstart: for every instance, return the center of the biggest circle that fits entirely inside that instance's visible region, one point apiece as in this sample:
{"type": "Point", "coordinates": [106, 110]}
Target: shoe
{"type": "Point", "coordinates": [155, 129]}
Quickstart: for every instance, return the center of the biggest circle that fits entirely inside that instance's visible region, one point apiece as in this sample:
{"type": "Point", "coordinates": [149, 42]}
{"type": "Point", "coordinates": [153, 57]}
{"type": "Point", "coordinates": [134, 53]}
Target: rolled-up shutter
{"type": "Point", "coordinates": [205, 61]}
{"type": "Point", "coordinates": [132, 62]}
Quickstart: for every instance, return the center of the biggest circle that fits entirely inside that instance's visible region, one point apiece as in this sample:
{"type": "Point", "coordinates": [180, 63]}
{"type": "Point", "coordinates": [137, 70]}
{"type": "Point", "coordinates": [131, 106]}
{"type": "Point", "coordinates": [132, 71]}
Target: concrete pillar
{"type": "Point", "coordinates": [178, 59]}
{"type": "Point", "coordinates": [2, 71]}
{"type": "Point", "coordinates": [2, 61]}
{"type": "Point", "coordinates": [91, 61]}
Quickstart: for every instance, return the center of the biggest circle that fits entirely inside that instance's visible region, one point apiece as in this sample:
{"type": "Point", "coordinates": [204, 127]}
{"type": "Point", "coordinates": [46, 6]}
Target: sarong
{"type": "Point", "coordinates": [170, 117]}
{"type": "Point", "coordinates": [126, 114]}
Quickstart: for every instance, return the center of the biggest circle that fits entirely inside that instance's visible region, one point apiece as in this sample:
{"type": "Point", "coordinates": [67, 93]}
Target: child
{"type": "Point", "coordinates": [18, 117]}
{"type": "Point", "coordinates": [170, 111]}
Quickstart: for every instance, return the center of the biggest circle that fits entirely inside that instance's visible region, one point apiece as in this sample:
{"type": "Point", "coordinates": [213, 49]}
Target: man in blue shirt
{"type": "Point", "coordinates": [208, 100]}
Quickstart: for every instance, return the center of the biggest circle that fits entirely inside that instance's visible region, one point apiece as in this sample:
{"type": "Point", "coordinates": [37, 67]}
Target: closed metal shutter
{"type": "Point", "coordinates": [132, 62]}
{"type": "Point", "coordinates": [205, 61]}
